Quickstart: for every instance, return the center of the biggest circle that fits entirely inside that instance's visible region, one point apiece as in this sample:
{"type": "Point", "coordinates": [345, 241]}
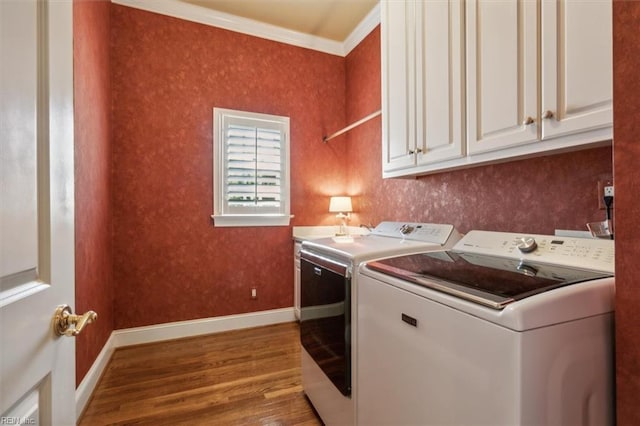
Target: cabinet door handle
{"type": "Point", "coordinates": [547, 114]}
{"type": "Point", "coordinates": [419, 150]}
{"type": "Point", "coordinates": [411, 152]}
{"type": "Point", "coordinates": [528, 121]}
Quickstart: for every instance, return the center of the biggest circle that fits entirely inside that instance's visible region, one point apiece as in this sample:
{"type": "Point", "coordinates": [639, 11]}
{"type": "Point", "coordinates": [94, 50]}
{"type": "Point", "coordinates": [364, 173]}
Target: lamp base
{"type": "Point", "coordinates": [342, 229]}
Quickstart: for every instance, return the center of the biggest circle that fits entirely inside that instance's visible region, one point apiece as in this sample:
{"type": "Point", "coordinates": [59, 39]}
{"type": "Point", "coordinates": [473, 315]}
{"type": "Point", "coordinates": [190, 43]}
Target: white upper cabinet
{"type": "Point", "coordinates": [422, 83]}
{"type": "Point", "coordinates": [398, 84]}
{"type": "Point", "coordinates": [481, 81]}
{"type": "Point", "coordinates": [502, 76]}
{"type": "Point", "coordinates": [439, 81]}
{"type": "Point", "coordinates": [577, 70]}
{"type": "Point", "coordinates": [511, 98]}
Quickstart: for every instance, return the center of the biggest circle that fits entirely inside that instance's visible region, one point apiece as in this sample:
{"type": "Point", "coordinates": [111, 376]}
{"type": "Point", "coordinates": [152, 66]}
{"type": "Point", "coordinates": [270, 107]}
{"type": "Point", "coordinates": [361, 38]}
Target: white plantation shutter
{"type": "Point", "coordinates": [254, 168]}
{"type": "Point", "coordinates": [251, 172]}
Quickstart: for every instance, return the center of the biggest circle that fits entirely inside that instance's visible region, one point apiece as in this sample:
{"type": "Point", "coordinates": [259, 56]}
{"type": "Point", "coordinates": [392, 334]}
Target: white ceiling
{"type": "Point", "coordinates": [330, 19]}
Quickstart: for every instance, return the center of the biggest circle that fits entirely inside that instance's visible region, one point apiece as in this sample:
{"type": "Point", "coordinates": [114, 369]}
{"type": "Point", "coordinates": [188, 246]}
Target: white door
{"type": "Point", "coordinates": [398, 85]}
{"type": "Point", "coordinates": [577, 71]}
{"type": "Point", "coordinates": [502, 74]}
{"type": "Point", "coordinates": [37, 379]}
{"type": "Point", "coordinates": [439, 81]}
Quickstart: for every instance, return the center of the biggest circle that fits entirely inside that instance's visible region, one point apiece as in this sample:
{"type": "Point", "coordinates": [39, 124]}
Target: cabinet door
{"type": "Point", "coordinates": [576, 66]}
{"type": "Point", "coordinates": [439, 103]}
{"type": "Point", "coordinates": [398, 81]}
{"type": "Point", "coordinates": [501, 74]}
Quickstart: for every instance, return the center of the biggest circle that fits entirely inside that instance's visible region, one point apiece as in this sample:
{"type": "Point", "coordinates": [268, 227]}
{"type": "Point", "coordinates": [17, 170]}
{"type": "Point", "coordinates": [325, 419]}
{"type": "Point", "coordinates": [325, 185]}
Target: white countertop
{"type": "Point", "coordinates": [302, 233]}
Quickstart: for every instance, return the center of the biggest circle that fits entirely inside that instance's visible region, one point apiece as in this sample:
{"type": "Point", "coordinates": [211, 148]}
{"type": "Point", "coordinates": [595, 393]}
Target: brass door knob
{"type": "Point", "coordinates": [547, 114]}
{"type": "Point", "coordinates": [527, 121]}
{"type": "Point", "coordinates": [64, 319]}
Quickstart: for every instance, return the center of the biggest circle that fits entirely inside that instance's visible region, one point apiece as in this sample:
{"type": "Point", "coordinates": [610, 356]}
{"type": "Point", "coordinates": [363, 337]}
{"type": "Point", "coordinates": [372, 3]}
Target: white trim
{"type": "Point", "coordinates": [368, 24]}
{"type": "Point", "coordinates": [90, 380]}
{"type": "Point", "coordinates": [230, 220]}
{"type": "Point", "coordinates": [177, 330]}
{"type": "Point", "coordinates": [203, 15]}
{"type": "Point", "coordinates": [169, 331]}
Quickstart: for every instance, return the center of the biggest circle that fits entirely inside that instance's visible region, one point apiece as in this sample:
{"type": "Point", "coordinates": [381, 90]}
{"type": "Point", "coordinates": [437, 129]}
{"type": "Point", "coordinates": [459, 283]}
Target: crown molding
{"type": "Point", "coordinates": [368, 24]}
{"type": "Point", "coordinates": [201, 15]}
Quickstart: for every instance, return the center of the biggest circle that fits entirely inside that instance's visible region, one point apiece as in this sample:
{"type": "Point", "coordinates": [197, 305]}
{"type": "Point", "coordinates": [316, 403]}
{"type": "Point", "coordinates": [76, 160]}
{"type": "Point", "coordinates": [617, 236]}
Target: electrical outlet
{"type": "Point", "coordinates": [602, 186]}
{"type": "Point", "coordinates": [254, 293]}
{"type": "Point", "coordinates": [608, 191]}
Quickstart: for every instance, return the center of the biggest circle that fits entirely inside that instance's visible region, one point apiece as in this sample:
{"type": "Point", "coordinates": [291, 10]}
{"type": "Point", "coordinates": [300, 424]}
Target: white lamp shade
{"type": "Point", "coordinates": [340, 205]}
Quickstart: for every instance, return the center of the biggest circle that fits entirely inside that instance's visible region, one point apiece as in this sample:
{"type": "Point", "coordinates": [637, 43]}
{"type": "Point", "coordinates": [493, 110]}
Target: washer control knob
{"type": "Point", "coordinates": [406, 229]}
{"type": "Point", "coordinates": [526, 244]}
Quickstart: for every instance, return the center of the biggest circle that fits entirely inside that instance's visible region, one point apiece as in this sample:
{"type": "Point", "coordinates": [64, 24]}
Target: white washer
{"type": "Point", "coordinates": [329, 294]}
{"type": "Point", "coordinates": [486, 334]}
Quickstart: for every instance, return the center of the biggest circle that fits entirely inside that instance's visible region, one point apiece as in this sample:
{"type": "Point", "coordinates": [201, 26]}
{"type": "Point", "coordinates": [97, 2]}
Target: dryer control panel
{"type": "Point", "coordinates": [582, 253]}
{"type": "Point", "coordinates": [436, 233]}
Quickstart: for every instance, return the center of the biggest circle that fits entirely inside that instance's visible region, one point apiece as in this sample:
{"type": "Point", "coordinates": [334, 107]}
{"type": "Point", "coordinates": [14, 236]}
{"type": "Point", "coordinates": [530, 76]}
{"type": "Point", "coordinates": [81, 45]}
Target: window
{"type": "Point", "coordinates": [250, 169]}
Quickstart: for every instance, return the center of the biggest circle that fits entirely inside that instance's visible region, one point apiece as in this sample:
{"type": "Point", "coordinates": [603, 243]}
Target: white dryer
{"type": "Point", "coordinates": [504, 329]}
{"type": "Point", "coordinates": [329, 303]}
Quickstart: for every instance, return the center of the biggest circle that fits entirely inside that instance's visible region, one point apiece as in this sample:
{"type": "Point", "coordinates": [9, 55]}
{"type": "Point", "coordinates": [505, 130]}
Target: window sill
{"type": "Point", "coordinates": [251, 220]}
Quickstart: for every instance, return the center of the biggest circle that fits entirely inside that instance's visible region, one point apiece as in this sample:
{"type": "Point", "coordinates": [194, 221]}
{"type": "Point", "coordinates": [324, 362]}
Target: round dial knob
{"type": "Point", "coordinates": [526, 244]}
{"type": "Point", "coordinates": [406, 229]}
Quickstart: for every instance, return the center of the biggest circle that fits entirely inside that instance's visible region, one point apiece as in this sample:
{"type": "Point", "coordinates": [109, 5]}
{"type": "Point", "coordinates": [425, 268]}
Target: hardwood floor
{"type": "Point", "coordinates": [239, 377]}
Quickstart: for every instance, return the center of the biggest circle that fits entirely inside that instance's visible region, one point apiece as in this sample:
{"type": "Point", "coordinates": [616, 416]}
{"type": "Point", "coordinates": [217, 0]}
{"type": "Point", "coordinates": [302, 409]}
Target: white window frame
{"type": "Point", "coordinates": [225, 215]}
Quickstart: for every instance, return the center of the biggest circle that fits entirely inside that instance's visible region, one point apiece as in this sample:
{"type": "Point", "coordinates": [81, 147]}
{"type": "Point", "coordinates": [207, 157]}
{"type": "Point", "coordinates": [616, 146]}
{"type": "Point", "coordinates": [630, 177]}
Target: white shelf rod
{"type": "Point", "coordinates": [351, 126]}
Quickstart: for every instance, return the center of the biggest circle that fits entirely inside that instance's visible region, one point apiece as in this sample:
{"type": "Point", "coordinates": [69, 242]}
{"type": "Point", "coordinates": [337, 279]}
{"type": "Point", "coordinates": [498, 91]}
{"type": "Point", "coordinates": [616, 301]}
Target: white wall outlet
{"type": "Point", "coordinates": [254, 293]}
{"type": "Point", "coordinates": [602, 184]}
{"type": "Point", "coordinates": [608, 191]}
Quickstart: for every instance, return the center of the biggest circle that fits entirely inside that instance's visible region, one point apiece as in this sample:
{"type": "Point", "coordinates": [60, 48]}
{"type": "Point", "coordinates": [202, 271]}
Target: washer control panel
{"type": "Point", "coordinates": [426, 232]}
{"type": "Point", "coordinates": [583, 253]}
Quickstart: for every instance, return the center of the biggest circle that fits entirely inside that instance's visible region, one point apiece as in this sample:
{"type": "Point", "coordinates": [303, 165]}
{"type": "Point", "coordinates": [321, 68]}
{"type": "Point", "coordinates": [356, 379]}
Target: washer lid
{"type": "Point", "coordinates": [490, 281]}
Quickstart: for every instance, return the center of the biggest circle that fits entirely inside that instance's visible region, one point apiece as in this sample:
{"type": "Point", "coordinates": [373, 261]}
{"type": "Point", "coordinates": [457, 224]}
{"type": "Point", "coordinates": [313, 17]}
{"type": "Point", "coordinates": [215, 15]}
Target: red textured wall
{"type": "Point", "coordinates": [170, 262]}
{"type": "Point", "coordinates": [92, 98]}
{"type": "Point", "coordinates": [536, 195]}
{"type": "Point", "coordinates": [626, 55]}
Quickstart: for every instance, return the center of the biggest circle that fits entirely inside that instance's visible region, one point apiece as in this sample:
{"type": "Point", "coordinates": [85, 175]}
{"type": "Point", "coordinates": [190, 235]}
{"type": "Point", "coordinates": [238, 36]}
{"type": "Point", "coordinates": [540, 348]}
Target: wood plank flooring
{"type": "Point", "coordinates": [243, 377]}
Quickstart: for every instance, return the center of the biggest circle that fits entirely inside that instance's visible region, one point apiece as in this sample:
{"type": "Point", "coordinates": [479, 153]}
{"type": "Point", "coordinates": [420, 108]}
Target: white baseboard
{"type": "Point", "coordinates": [169, 331]}
{"type": "Point", "coordinates": [90, 380]}
{"type": "Point", "coordinates": [177, 330]}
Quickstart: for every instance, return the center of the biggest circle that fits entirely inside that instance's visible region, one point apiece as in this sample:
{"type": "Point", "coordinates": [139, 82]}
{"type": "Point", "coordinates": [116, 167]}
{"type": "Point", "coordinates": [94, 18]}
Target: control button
{"type": "Point", "coordinates": [526, 244]}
